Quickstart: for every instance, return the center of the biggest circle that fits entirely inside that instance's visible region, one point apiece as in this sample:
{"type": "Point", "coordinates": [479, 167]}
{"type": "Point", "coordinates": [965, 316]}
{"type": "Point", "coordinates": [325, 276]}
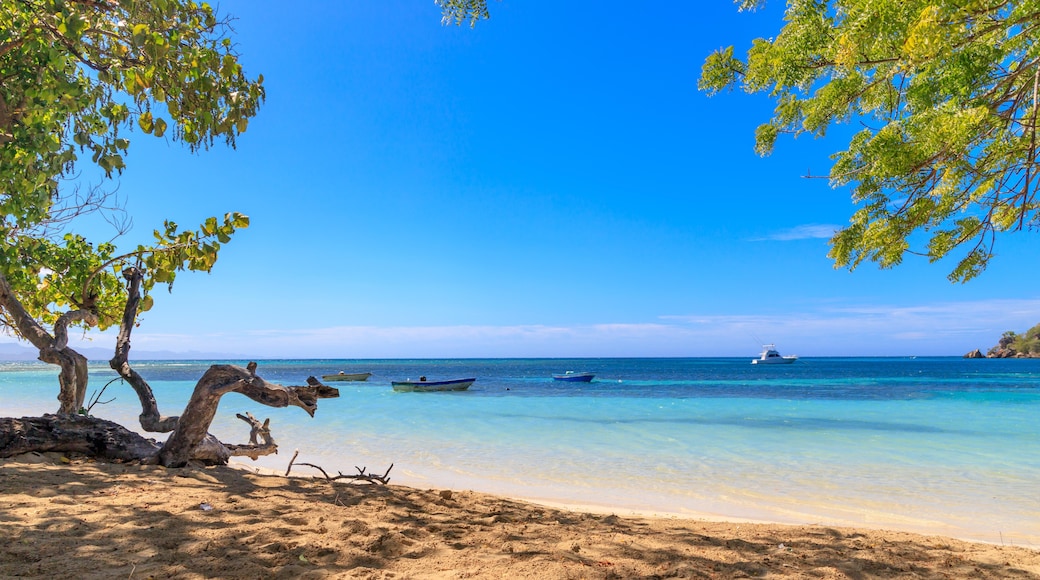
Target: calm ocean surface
{"type": "Point", "coordinates": [939, 445]}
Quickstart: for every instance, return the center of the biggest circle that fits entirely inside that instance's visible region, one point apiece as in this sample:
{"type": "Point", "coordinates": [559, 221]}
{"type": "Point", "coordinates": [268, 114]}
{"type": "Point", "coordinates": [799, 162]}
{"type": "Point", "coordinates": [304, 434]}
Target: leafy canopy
{"type": "Point", "coordinates": [77, 78]}
{"type": "Point", "coordinates": [947, 95]}
{"type": "Point", "coordinates": [1028, 343]}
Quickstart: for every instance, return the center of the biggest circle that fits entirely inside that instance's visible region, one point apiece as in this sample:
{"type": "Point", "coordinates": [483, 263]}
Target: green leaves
{"type": "Point", "coordinates": [720, 70]}
{"type": "Point", "coordinates": [51, 276]}
{"type": "Point", "coordinates": [459, 11]}
{"type": "Point", "coordinates": [1028, 342]}
{"type": "Point", "coordinates": [141, 34]}
{"type": "Point", "coordinates": [947, 93]}
{"type": "Point", "coordinates": [77, 81]}
{"type": "Point", "coordinates": [177, 250]}
{"type": "Point", "coordinates": [72, 24]}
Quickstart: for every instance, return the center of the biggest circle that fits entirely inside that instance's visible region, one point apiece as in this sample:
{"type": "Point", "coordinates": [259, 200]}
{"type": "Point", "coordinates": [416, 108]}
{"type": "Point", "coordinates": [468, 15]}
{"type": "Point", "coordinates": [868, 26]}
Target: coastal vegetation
{"type": "Point", "coordinates": [946, 97]}
{"type": "Point", "coordinates": [1029, 342]}
{"type": "Point", "coordinates": [1013, 345]}
{"type": "Point", "coordinates": [78, 79]}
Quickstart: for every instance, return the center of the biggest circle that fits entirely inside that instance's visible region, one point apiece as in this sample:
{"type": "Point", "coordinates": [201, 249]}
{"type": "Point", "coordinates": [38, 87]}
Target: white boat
{"type": "Point", "coordinates": [424, 386]}
{"type": "Point", "coordinates": [770, 356]}
{"type": "Point", "coordinates": [342, 376]}
{"type": "Point", "coordinates": [574, 377]}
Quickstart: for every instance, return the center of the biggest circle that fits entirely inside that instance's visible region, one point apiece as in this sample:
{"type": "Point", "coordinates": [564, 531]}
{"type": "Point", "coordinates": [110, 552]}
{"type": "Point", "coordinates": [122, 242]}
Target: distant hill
{"type": "Point", "coordinates": [17, 352]}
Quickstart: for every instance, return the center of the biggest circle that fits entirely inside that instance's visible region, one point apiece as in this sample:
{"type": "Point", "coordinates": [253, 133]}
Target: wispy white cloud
{"type": "Point", "coordinates": [803, 232]}
{"type": "Point", "coordinates": [869, 329]}
{"type": "Point", "coordinates": [833, 329]}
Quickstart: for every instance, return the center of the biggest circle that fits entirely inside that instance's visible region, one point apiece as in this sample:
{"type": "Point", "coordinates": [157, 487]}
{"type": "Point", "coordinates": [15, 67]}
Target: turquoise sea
{"type": "Point", "coordinates": [936, 445]}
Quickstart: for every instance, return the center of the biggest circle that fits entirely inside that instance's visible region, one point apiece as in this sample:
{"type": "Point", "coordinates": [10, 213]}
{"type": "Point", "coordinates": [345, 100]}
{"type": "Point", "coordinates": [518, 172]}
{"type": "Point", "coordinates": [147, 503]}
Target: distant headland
{"type": "Point", "coordinates": [1012, 345]}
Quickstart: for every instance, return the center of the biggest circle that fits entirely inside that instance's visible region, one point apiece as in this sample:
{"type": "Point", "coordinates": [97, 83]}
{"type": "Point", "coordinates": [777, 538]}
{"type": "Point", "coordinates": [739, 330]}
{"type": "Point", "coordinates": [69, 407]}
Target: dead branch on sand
{"type": "Point", "coordinates": [361, 475]}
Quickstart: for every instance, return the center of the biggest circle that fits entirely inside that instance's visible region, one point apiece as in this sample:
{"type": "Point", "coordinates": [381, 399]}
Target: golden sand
{"type": "Point", "coordinates": [81, 519]}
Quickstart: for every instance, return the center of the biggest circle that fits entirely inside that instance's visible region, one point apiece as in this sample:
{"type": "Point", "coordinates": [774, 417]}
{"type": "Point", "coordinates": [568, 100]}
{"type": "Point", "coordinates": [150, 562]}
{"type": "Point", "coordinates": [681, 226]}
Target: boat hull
{"type": "Point", "coordinates": [431, 386]}
{"type": "Point", "coordinates": [770, 356]}
{"type": "Point", "coordinates": [574, 377]}
{"type": "Point", "coordinates": [784, 360]}
{"type": "Point", "coordinates": [346, 377]}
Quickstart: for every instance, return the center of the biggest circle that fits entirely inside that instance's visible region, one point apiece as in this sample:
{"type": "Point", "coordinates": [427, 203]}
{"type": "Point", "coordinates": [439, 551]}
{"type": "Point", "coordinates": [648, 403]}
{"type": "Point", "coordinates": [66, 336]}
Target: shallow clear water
{"type": "Point", "coordinates": [942, 445]}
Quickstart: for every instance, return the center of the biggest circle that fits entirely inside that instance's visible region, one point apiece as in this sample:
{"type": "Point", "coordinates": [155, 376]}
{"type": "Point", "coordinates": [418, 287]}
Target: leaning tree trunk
{"type": "Point", "coordinates": [193, 426]}
{"type": "Point", "coordinates": [189, 442]}
{"type": "Point", "coordinates": [190, 439]}
{"type": "Point", "coordinates": [54, 349]}
{"type": "Point", "coordinates": [72, 379]}
{"type": "Point", "coordinates": [151, 419]}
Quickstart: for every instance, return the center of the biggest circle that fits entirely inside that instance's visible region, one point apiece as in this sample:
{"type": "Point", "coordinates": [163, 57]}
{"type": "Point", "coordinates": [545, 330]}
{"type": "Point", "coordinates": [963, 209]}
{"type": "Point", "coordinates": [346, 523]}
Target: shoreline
{"type": "Point", "coordinates": [732, 511]}
{"type": "Point", "coordinates": [707, 517]}
{"type": "Point", "coordinates": [135, 521]}
{"type": "Point", "coordinates": [589, 508]}
{"type": "Point", "coordinates": [937, 529]}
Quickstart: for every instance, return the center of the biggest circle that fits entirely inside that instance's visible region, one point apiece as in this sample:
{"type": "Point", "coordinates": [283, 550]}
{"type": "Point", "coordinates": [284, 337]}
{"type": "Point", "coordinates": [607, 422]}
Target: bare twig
{"type": "Point", "coordinates": [361, 475]}
{"type": "Point", "coordinates": [95, 399]}
{"type": "Point", "coordinates": [288, 469]}
{"type": "Point", "coordinates": [318, 468]}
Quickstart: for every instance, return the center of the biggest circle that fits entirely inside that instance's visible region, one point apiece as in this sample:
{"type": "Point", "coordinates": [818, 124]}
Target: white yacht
{"type": "Point", "coordinates": [770, 356]}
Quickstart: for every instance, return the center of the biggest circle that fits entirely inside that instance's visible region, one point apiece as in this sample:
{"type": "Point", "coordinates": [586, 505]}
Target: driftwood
{"type": "Point", "coordinates": [222, 379]}
{"type": "Point", "coordinates": [74, 434]}
{"type": "Point", "coordinates": [108, 441]}
{"type": "Point", "coordinates": [361, 475]}
{"type": "Point", "coordinates": [257, 431]}
{"type": "Point", "coordinates": [190, 439]}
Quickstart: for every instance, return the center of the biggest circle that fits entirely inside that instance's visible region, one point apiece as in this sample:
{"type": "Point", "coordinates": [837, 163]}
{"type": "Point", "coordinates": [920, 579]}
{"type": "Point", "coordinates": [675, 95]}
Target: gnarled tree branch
{"type": "Point", "coordinates": [72, 379]}
{"type": "Point", "coordinates": [222, 379]}
{"type": "Point", "coordinates": [257, 431]}
{"type": "Point", "coordinates": [151, 419]}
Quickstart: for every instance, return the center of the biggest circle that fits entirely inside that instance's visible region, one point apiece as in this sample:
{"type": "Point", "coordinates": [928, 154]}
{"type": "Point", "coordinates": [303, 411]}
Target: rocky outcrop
{"type": "Point", "coordinates": [1003, 353]}
{"type": "Point", "coordinates": [1012, 345]}
{"type": "Point", "coordinates": [997, 352]}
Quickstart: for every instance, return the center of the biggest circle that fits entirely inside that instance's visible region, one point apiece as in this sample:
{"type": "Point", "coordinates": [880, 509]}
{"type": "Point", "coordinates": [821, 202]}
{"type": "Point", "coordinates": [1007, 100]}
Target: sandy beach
{"type": "Point", "coordinates": [65, 518]}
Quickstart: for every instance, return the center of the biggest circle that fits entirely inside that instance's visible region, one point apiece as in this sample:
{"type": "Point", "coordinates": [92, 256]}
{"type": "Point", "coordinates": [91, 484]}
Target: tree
{"type": "Point", "coordinates": [947, 95]}
{"type": "Point", "coordinates": [1028, 343]}
{"type": "Point", "coordinates": [76, 78]}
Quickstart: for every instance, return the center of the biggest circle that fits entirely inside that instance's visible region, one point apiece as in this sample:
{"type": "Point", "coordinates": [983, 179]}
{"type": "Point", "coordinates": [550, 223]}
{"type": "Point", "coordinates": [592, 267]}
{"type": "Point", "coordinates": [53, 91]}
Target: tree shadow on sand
{"type": "Point", "coordinates": [95, 520]}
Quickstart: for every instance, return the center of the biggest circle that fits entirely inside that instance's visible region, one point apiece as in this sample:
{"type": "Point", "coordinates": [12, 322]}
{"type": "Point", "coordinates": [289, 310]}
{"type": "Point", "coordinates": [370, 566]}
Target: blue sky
{"type": "Point", "coordinates": [549, 183]}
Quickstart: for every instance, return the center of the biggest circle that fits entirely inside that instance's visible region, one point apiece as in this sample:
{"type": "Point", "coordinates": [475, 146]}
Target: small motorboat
{"type": "Point", "coordinates": [574, 377]}
{"type": "Point", "coordinates": [770, 356]}
{"type": "Point", "coordinates": [342, 376]}
{"type": "Point", "coordinates": [424, 386]}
